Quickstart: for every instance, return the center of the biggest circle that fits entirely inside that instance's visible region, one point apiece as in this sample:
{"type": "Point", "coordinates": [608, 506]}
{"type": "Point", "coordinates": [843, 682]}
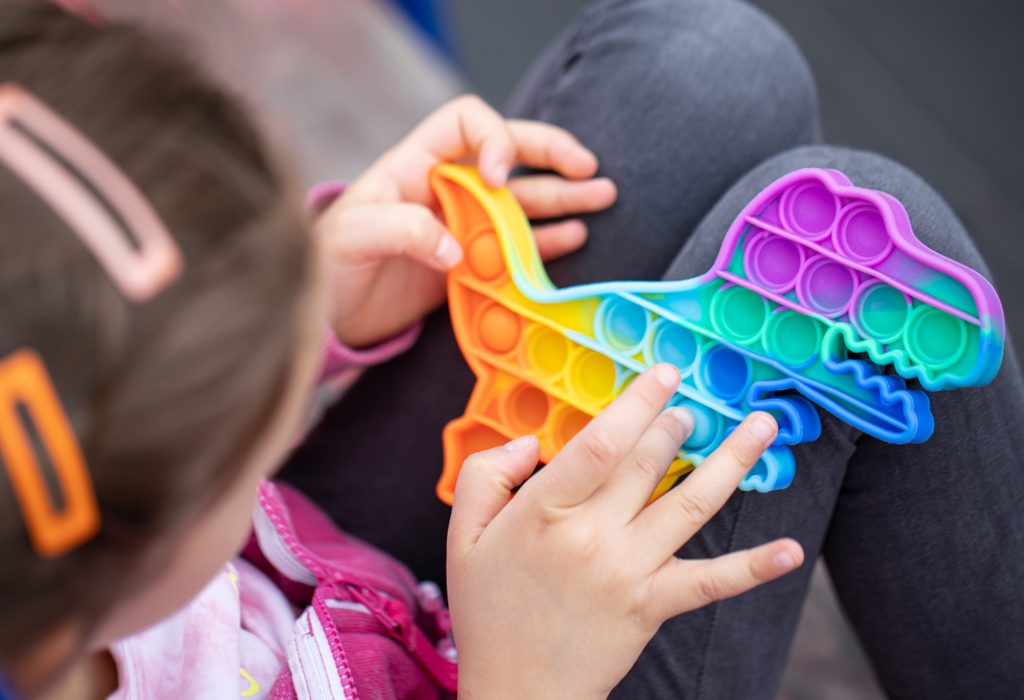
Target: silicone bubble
{"type": "Point", "coordinates": [820, 294]}
{"type": "Point", "coordinates": [483, 256]}
{"type": "Point", "coordinates": [525, 408]}
{"type": "Point", "coordinates": [935, 337]}
{"type": "Point", "coordinates": [498, 328]}
{"type": "Point", "coordinates": [774, 263]}
{"type": "Point", "coordinates": [546, 352]}
{"type": "Point", "coordinates": [826, 286]}
{"type": "Point", "coordinates": [592, 377]}
{"type": "Point", "coordinates": [566, 422]}
{"type": "Point", "coordinates": [810, 209]}
{"type": "Point", "coordinates": [881, 311]}
{"type": "Point", "coordinates": [622, 325]}
{"type": "Point", "coordinates": [674, 344]}
{"type": "Point", "coordinates": [793, 338]}
{"type": "Point", "coordinates": [739, 313]}
{"type": "Point", "coordinates": [707, 426]}
{"type": "Point", "coordinates": [861, 234]}
{"type": "Point", "coordinates": [725, 374]}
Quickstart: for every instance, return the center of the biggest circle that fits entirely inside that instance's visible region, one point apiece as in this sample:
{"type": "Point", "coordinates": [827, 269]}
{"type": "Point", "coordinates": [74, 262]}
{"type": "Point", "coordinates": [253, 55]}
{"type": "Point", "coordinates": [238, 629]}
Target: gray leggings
{"type": "Point", "coordinates": [693, 106]}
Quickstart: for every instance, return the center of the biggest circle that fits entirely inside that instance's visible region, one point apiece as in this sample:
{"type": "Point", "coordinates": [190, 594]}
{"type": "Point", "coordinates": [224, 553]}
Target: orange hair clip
{"type": "Point", "coordinates": [116, 222]}
{"type": "Point", "coordinates": [53, 531]}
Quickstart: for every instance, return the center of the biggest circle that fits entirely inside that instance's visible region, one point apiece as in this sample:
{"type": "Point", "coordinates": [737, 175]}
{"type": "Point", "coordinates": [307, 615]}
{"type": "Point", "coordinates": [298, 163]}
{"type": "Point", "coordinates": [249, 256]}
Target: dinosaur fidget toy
{"type": "Point", "coordinates": [812, 271]}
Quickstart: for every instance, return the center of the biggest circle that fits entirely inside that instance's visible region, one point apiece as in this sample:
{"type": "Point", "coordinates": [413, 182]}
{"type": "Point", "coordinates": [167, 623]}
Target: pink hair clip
{"type": "Point", "coordinates": [89, 193]}
{"type": "Point", "coordinates": [83, 9]}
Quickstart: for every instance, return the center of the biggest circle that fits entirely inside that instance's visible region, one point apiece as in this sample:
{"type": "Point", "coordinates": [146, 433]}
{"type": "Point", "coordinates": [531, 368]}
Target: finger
{"type": "Point", "coordinates": [674, 518]}
{"type": "Point", "coordinates": [556, 240]}
{"type": "Point", "coordinates": [369, 233]}
{"type": "Point", "coordinates": [548, 147]}
{"type": "Point", "coordinates": [484, 487]}
{"type": "Point", "coordinates": [585, 463]}
{"type": "Point", "coordinates": [631, 484]}
{"type": "Point", "coordinates": [682, 585]}
{"type": "Point", "coordinates": [464, 126]}
{"type": "Point", "coordinates": [550, 196]}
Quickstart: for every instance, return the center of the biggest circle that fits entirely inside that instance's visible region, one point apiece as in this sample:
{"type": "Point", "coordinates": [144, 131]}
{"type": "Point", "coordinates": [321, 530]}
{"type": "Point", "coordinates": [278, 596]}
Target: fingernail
{"type": "Point", "coordinates": [784, 561]}
{"type": "Point", "coordinates": [667, 375]}
{"type": "Point", "coordinates": [521, 444]}
{"type": "Point", "coordinates": [684, 417]}
{"type": "Point", "coordinates": [448, 252]}
{"type": "Point", "coordinates": [499, 174]}
{"type": "Point", "coordinates": [762, 427]}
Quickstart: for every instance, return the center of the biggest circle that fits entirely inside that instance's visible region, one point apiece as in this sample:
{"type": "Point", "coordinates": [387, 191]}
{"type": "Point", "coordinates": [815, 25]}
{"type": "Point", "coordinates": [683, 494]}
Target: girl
{"type": "Point", "coordinates": [162, 325]}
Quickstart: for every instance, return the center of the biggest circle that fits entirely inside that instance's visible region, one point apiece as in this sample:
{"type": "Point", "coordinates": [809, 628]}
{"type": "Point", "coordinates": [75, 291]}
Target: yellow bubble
{"type": "Point", "coordinates": [547, 351]}
{"type": "Point", "coordinates": [593, 376]}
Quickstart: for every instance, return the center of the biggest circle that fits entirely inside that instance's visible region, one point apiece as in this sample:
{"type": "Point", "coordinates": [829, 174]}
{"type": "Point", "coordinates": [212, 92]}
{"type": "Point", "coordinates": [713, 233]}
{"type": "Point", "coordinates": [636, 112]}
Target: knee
{"type": "Point", "coordinates": [723, 61]}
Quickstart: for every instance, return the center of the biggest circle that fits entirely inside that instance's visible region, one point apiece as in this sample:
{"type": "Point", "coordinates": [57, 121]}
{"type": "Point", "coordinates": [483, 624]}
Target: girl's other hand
{"type": "Point", "coordinates": [388, 248]}
{"type": "Point", "coordinates": [555, 592]}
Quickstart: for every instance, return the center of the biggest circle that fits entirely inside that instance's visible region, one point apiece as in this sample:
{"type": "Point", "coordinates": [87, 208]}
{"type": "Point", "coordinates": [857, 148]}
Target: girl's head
{"type": "Point", "coordinates": [179, 404]}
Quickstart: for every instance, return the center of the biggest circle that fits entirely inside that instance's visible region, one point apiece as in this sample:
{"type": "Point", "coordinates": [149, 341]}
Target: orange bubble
{"type": "Point", "coordinates": [569, 422]}
{"type": "Point", "coordinates": [527, 408]}
{"type": "Point", "coordinates": [484, 256]}
{"type": "Point", "coordinates": [499, 329]}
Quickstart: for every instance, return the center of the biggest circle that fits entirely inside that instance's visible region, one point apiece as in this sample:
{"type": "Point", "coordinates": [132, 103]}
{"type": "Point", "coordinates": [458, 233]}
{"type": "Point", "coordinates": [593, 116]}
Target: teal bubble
{"type": "Point", "coordinates": [882, 312]}
{"type": "Point", "coordinates": [676, 345]}
{"type": "Point", "coordinates": [623, 323]}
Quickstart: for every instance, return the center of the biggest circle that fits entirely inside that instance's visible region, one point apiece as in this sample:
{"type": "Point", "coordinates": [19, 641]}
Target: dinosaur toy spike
{"type": "Point", "coordinates": [812, 269]}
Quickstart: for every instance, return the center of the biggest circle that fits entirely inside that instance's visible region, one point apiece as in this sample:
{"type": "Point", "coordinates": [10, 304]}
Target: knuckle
{"type": "Point", "coordinates": [421, 230]}
{"type": "Point", "coordinates": [599, 447]}
{"type": "Point", "coordinates": [644, 606]}
{"type": "Point", "coordinates": [646, 396]}
{"type": "Point", "coordinates": [647, 465]}
{"type": "Point", "coordinates": [477, 461]}
{"type": "Point", "coordinates": [694, 506]}
{"type": "Point", "coordinates": [742, 450]}
{"type": "Point", "coordinates": [616, 582]}
{"type": "Point", "coordinates": [709, 589]}
{"type": "Point", "coordinates": [755, 571]}
{"type": "Point", "coordinates": [549, 516]}
{"type": "Point", "coordinates": [577, 541]}
{"type": "Point", "coordinates": [672, 430]}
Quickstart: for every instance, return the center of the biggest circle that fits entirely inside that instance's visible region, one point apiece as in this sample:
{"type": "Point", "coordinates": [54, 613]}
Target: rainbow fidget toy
{"type": "Point", "coordinates": [812, 270]}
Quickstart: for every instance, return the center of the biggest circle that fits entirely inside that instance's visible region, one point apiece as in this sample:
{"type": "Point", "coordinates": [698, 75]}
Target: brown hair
{"type": "Point", "coordinates": [166, 397]}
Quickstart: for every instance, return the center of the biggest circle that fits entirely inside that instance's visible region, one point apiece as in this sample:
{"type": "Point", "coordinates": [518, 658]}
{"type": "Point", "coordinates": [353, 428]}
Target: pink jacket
{"type": "Point", "coordinates": [306, 612]}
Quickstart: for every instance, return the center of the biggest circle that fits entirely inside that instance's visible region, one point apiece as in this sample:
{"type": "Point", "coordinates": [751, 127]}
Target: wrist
{"type": "Point", "coordinates": [520, 686]}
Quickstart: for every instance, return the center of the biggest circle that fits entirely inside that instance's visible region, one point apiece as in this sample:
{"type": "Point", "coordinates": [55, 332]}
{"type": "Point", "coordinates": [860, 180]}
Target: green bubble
{"type": "Point", "coordinates": [739, 313]}
{"type": "Point", "coordinates": [882, 312]}
{"type": "Point", "coordinates": [794, 339]}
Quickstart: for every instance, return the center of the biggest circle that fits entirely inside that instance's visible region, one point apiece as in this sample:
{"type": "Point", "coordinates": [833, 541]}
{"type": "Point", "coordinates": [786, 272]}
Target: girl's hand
{"type": "Point", "coordinates": [555, 592]}
{"type": "Point", "coordinates": [390, 251]}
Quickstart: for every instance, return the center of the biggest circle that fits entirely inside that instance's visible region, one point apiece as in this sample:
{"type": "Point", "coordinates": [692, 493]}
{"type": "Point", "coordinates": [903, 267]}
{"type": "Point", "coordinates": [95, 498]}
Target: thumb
{"type": "Point", "coordinates": [485, 486]}
{"type": "Point", "coordinates": [376, 232]}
